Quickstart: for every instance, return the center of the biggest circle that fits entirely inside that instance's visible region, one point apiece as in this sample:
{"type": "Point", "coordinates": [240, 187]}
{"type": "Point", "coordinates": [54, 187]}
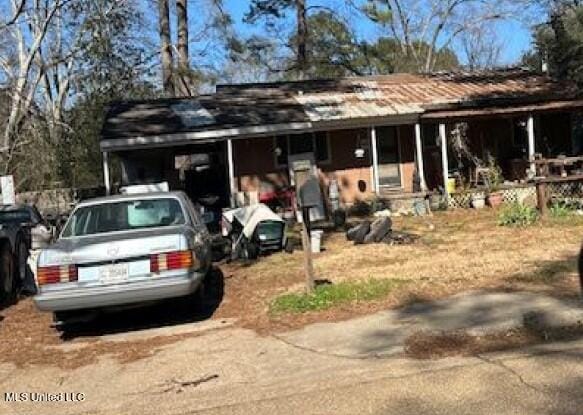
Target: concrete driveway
{"type": "Point", "coordinates": [217, 368]}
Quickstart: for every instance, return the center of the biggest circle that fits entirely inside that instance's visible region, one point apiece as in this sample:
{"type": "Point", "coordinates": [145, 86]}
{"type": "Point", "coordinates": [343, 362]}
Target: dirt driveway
{"type": "Point", "coordinates": [456, 252]}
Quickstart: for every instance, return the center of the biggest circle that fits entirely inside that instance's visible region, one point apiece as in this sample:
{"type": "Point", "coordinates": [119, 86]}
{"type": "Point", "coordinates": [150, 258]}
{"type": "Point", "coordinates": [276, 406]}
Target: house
{"type": "Point", "coordinates": [378, 136]}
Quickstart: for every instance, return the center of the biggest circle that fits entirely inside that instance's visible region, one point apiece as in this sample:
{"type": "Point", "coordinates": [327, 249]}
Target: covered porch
{"type": "Point", "coordinates": [495, 149]}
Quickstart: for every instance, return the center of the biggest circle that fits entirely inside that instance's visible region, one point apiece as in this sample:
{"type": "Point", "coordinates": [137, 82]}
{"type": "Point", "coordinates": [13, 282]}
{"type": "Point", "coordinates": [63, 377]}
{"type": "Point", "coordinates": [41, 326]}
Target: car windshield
{"type": "Point", "coordinates": [15, 216]}
{"type": "Point", "coordinates": [124, 216]}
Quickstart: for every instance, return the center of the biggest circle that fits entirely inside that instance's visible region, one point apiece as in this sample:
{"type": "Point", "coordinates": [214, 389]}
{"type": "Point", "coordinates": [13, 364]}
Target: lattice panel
{"type": "Point", "coordinates": [460, 200]}
{"type": "Point", "coordinates": [522, 195]}
{"type": "Point", "coordinates": [569, 192]}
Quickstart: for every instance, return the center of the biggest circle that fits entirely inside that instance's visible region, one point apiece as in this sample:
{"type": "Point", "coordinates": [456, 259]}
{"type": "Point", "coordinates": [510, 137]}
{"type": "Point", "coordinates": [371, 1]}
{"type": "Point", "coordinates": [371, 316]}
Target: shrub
{"type": "Point", "coordinates": [517, 214]}
{"type": "Point", "coordinates": [560, 210]}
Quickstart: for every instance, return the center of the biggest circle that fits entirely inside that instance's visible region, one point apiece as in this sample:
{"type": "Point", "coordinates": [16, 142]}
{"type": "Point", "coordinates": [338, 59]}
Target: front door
{"type": "Point", "coordinates": [388, 157]}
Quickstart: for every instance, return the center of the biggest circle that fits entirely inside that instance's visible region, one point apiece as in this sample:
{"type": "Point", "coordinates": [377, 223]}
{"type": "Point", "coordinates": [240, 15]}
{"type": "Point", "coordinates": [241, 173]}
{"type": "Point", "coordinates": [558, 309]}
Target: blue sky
{"type": "Point", "coordinates": [515, 35]}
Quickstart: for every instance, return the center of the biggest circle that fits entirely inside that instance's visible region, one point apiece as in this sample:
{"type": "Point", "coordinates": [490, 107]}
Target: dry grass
{"type": "Point", "coordinates": [456, 251]}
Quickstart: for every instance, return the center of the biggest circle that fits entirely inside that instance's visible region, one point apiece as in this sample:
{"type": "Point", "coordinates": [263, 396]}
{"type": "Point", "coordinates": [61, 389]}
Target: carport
{"type": "Point", "coordinates": [189, 142]}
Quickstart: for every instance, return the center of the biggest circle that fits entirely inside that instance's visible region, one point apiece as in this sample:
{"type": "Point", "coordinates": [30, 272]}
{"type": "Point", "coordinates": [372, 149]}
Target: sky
{"type": "Point", "coordinates": [515, 34]}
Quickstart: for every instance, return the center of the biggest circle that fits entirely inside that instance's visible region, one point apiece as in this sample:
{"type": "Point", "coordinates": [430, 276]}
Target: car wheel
{"type": "Point", "coordinates": [24, 276]}
{"type": "Point", "coordinates": [212, 288]}
{"type": "Point", "coordinates": [21, 262]}
{"type": "Point", "coordinates": [6, 274]}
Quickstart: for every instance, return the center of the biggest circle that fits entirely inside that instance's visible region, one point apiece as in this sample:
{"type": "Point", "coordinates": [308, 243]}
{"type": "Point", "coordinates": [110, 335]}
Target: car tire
{"type": "Point", "coordinates": [20, 263]}
{"type": "Point", "coordinates": [7, 273]}
{"type": "Point", "coordinates": [214, 287]}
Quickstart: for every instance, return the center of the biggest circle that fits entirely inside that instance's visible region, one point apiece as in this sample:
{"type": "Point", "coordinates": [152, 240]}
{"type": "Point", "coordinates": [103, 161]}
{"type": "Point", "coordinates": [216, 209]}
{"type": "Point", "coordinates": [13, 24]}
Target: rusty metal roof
{"type": "Point", "coordinates": [241, 108]}
{"type": "Point", "coordinates": [399, 94]}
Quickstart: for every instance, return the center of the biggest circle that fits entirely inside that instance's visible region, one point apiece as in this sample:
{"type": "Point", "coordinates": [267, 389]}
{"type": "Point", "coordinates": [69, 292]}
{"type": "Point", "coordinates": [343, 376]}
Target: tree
{"type": "Point", "coordinates": [387, 56]}
{"type": "Point", "coordinates": [268, 9]}
{"type": "Point", "coordinates": [29, 30]}
{"type": "Point", "coordinates": [558, 41]}
{"type": "Point", "coordinates": [481, 46]}
{"type": "Point", "coordinates": [182, 47]}
{"type": "Point", "coordinates": [119, 66]}
{"type": "Point", "coordinates": [212, 31]}
{"type": "Point", "coordinates": [333, 49]}
{"type": "Point", "coordinates": [53, 53]}
{"type": "Point", "coordinates": [166, 48]}
{"type": "Point", "coordinates": [424, 28]}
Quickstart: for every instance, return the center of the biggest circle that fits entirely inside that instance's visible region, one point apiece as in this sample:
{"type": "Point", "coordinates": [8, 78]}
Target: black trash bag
{"type": "Point", "coordinates": [378, 230]}
{"type": "Point", "coordinates": [358, 233]}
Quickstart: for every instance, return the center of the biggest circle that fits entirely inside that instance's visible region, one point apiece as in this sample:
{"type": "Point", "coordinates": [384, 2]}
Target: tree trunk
{"type": "Point", "coordinates": [165, 47]}
{"type": "Point", "coordinates": [302, 35]}
{"type": "Point", "coordinates": [183, 87]}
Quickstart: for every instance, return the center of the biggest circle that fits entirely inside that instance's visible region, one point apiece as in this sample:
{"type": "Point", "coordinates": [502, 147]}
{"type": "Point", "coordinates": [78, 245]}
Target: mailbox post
{"type": "Point", "coordinates": [308, 190]}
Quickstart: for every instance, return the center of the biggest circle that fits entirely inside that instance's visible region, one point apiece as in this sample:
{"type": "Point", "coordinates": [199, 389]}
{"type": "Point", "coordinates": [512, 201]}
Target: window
{"type": "Point", "coordinates": [317, 143]}
{"type": "Point", "coordinates": [124, 216]}
{"type": "Point", "coordinates": [430, 135]}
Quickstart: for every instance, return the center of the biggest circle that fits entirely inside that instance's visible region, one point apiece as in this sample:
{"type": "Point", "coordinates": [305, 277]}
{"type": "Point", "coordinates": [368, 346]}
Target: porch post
{"type": "Point", "coordinates": [231, 171]}
{"type": "Point", "coordinates": [419, 148]}
{"type": "Point", "coordinates": [375, 159]}
{"type": "Point", "coordinates": [531, 144]}
{"type": "Point", "coordinates": [105, 155]}
{"type": "Point", "coordinates": [444, 162]}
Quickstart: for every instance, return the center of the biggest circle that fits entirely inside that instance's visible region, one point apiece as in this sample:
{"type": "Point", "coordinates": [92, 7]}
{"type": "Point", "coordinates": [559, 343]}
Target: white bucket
{"type": "Point", "coordinates": [316, 241]}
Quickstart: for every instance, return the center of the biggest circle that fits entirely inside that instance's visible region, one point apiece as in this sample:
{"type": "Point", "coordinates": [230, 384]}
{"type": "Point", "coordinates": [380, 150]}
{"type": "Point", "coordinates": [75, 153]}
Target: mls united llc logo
{"type": "Point", "coordinates": [44, 397]}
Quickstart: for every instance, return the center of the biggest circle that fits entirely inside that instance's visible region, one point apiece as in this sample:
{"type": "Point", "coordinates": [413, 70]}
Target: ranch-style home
{"type": "Point", "coordinates": [379, 136]}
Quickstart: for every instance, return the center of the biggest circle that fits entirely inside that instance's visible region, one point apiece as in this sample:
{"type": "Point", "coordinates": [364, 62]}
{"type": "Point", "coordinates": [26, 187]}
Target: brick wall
{"type": "Point", "coordinates": [255, 167]}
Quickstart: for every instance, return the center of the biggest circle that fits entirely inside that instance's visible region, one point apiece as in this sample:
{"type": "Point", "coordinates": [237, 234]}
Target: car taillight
{"type": "Point", "coordinates": [172, 260]}
{"type": "Point", "coordinates": [53, 275]}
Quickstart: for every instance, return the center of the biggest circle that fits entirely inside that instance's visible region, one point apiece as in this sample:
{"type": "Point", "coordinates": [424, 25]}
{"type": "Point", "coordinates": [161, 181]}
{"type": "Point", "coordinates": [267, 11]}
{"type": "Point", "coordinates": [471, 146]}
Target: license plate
{"type": "Point", "coordinates": [115, 273]}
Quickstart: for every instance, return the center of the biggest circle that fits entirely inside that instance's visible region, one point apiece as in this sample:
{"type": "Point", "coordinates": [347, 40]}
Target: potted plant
{"type": "Point", "coordinates": [478, 200]}
{"type": "Point", "coordinates": [495, 179]}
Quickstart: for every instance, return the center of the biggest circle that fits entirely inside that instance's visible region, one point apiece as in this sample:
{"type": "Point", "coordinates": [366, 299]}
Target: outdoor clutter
{"type": "Point", "coordinates": [253, 230]}
{"type": "Point", "coordinates": [379, 231]}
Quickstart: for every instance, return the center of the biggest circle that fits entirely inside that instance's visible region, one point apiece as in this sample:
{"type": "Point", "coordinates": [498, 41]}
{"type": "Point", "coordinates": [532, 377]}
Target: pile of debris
{"type": "Point", "coordinates": [379, 231]}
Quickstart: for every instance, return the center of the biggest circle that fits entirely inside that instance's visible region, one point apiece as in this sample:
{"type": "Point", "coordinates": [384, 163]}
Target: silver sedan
{"type": "Point", "coordinates": [123, 250]}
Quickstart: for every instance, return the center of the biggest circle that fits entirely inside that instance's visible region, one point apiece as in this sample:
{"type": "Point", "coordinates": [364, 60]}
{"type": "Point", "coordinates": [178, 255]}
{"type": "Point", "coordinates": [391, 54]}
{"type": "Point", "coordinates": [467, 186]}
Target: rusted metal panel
{"type": "Point", "coordinates": [318, 103]}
